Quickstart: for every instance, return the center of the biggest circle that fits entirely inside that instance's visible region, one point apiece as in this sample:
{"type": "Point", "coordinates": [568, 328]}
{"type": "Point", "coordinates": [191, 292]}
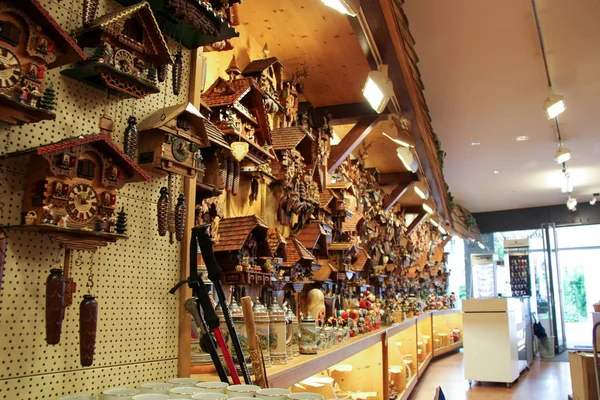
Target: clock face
{"type": "Point", "coordinates": [10, 69]}
{"type": "Point", "coordinates": [179, 148]}
{"type": "Point", "coordinates": [82, 202]}
{"type": "Point", "coordinates": [124, 61]}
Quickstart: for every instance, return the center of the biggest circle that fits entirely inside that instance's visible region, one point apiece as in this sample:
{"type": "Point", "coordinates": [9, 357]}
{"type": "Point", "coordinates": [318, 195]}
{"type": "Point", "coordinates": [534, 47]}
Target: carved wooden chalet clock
{"type": "Point", "coordinates": [170, 141]}
{"type": "Point", "coordinates": [31, 42]}
{"type": "Point", "coordinates": [72, 188]}
{"type": "Point", "coordinates": [126, 49]}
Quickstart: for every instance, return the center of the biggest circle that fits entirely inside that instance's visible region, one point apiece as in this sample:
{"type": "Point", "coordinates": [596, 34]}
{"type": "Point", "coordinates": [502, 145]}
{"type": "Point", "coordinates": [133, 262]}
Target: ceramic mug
{"type": "Point", "coordinates": [179, 382]}
{"type": "Point", "coordinates": [210, 396]}
{"type": "Point", "coordinates": [156, 387]}
{"type": "Point", "coordinates": [151, 396]}
{"type": "Point", "coordinates": [213, 387]}
{"type": "Point", "coordinates": [242, 390]}
{"type": "Point", "coordinates": [185, 391]}
{"type": "Point", "coordinates": [305, 396]}
{"type": "Point", "coordinates": [79, 397]}
{"type": "Point", "coordinates": [119, 393]}
{"type": "Point", "coordinates": [272, 394]}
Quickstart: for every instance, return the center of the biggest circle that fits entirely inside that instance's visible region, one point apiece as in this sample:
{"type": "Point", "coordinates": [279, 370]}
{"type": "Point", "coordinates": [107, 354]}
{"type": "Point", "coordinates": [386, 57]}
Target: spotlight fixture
{"type": "Point", "coordinates": [408, 159]}
{"type": "Point", "coordinates": [475, 143]}
{"type": "Point", "coordinates": [563, 154]}
{"type": "Point", "coordinates": [429, 207]}
{"type": "Point", "coordinates": [497, 171]}
{"type": "Point", "coordinates": [421, 189]}
{"type": "Point", "coordinates": [434, 222]}
{"type": "Point", "coordinates": [594, 199]}
{"type": "Point", "coordinates": [481, 245]}
{"type": "Point", "coordinates": [397, 129]}
{"type": "Point", "coordinates": [572, 203]}
{"type": "Point", "coordinates": [554, 105]}
{"type": "Point", "coordinates": [523, 138]}
{"type": "Point", "coordinates": [343, 6]}
{"type": "Point", "coordinates": [442, 230]}
{"type": "Point", "coordinates": [567, 184]}
{"type": "Point", "coordinates": [378, 88]}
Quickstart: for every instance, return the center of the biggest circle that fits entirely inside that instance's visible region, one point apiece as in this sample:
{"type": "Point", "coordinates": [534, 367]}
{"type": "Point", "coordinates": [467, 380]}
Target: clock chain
{"type": "Point", "coordinates": [90, 278]}
{"type": "Point", "coordinates": [3, 167]}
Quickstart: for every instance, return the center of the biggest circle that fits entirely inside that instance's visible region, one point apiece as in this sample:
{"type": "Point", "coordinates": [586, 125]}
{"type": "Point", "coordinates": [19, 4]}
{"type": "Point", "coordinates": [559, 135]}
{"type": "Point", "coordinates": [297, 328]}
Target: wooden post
{"type": "Point", "coordinates": [189, 191]}
{"type": "Point", "coordinates": [356, 135]}
{"type": "Point", "coordinates": [385, 365]}
{"type": "Point", "coordinates": [416, 222]}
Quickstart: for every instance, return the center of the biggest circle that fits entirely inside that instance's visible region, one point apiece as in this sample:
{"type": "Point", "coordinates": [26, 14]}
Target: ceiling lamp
{"type": "Point", "coordinates": [342, 6]}
{"type": "Point", "coordinates": [378, 88]}
{"type": "Point", "coordinates": [594, 199]}
{"type": "Point", "coordinates": [442, 230]}
{"type": "Point", "coordinates": [421, 190]}
{"type": "Point", "coordinates": [434, 222]}
{"type": "Point", "coordinates": [554, 105]}
{"type": "Point", "coordinates": [572, 203]}
{"type": "Point", "coordinates": [429, 207]}
{"type": "Point", "coordinates": [481, 245]}
{"type": "Point", "coordinates": [239, 150]}
{"type": "Point", "coordinates": [563, 154]}
{"type": "Point", "coordinates": [567, 186]}
{"type": "Point", "coordinates": [400, 136]}
{"type": "Point", "coordinates": [408, 159]}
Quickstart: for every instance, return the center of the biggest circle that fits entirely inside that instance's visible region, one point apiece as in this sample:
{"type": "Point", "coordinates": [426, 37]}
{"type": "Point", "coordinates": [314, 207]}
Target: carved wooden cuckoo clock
{"type": "Point", "coordinates": [31, 42]}
{"type": "Point", "coordinates": [170, 141]}
{"type": "Point", "coordinates": [127, 48]}
{"type": "Point", "coordinates": [72, 187]}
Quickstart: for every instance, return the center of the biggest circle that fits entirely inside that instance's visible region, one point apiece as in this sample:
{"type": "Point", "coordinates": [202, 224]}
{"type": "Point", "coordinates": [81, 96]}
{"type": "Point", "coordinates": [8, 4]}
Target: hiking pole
{"type": "Point", "coordinates": [201, 233]}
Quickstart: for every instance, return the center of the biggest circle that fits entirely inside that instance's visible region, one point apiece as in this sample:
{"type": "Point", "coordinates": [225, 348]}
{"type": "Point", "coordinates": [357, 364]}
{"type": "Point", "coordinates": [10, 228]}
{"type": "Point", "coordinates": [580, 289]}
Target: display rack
{"type": "Point", "coordinates": [377, 359]}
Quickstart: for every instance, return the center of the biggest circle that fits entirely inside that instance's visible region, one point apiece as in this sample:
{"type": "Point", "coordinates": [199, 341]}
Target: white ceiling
{"type": "Point", "coordinates": [484, 79]}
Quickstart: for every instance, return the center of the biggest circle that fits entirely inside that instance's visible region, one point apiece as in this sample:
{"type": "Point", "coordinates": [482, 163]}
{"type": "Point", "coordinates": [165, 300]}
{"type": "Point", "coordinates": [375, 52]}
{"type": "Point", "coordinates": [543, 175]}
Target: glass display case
{"type": "Point", "coordinates": [447, 331]}
{"type": "Point", "coordinates": [424, 342]}
{"type": "Point", "coordinates": [402, 359]}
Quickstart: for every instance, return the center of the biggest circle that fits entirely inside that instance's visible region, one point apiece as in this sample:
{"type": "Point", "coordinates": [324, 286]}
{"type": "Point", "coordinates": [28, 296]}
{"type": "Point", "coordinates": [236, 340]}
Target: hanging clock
{"type": "Point", "coordinates": [179, 148]}
{"type": "Point", "coordinates": [82, 202]}
{"type": "Point", "coordinates": [10, 69]}
{"type": "Point", "coordinates": [124, 61]}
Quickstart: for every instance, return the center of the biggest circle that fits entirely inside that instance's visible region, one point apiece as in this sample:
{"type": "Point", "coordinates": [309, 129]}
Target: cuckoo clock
{"type": "Point", "coordinates": [268, 73]}
{"type": "Point", "coordinates": [239, 111]}
{"type": "Point", "coordinates": [194, 23]}
{"type": "Point", "coordinates": [31, 42]}
{"type": "Point", "coordinates": [170, 141]}
{"type": "Point", "coordinates": [127, 47]}
{"type": "Point", "coordinates": [72, 186]}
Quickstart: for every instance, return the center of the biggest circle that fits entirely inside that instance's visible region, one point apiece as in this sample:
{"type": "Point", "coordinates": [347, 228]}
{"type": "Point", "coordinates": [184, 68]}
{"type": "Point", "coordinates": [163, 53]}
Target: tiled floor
{"type": "Point", "coordinates": [545, 380]}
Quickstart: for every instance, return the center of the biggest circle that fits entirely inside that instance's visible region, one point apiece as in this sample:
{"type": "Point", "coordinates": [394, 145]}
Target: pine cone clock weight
{"type": "Point", "coordinates": [180, 217]}
{"type": "Point", "coordinates": [163, 211]}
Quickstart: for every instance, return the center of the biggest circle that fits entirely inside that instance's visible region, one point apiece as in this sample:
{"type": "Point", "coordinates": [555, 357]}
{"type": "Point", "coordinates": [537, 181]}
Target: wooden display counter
{"type": "Point", "coordinates": [388, 355]}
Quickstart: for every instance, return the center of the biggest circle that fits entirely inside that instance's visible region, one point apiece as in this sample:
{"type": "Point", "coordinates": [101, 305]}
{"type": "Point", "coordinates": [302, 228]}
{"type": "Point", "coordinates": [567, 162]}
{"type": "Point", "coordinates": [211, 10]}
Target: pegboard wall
{"type": "Point", "coordinates": [137, 335]}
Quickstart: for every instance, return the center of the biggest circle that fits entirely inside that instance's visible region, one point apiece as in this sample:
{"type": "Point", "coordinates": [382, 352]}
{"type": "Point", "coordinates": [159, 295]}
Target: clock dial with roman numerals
{"type": "Point", "coordinates": [10, 69]}
{"type": "Point", "coordinates": [82, 202]}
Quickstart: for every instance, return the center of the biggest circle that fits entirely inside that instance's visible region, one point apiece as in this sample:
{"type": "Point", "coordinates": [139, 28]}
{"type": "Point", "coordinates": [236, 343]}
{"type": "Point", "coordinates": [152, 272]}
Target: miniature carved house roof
{"type": "Point", "coordinates": [361, 260]}
{"type": "Point", "coordinates": [112, 24]}
{"type": "Point", "coordinates": [351, 222]}
{"type": "Point", "coordinates": [343, 246]}
{"type": "Point", "coordinates": [234, 91]}
{"type": "Point", "coordinates": [295, 252]}
{"type": "Point", "coordinates": [69, 51]}
{"type": "Point", "coordinates": [288, 138]}
{"type": "Point", "coordinates": [258, 66]}
{"type": "Point", "coordinates": [275, 239]}
{"type": "Point", "coordinates": [100, 141]}
{"type": "Point", "coordinates": [161, 117]}
{"type": "Point", "coordinates": [310, 234]}
{"type": "Point", "coordinates": [325, 199]}
{"type": "Point", "coordinates": [233, 232]}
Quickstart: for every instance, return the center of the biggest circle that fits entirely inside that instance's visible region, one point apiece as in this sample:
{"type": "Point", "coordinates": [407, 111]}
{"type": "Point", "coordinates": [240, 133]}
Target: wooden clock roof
{"type": "Point", "coordinates": [233, 232]}
{"type": "Point", "coordinates": [275, 238]}
{"type": "Point", "coordinates": [258, 66]}
{"type": "Point", "coordinates": [362, 259]}
{"type": "Point", "coordinates": [100, 141]}
{"type": "Point", "coordinates": [296, 252]}
{"type": "Point", "coordinates": [69, 50]}
{"type": "Point", "coordinates": [288, 138]}
{"type": "Point", "coordinates": [351, 222]}
{"type": "Point", "coordinates": [112, 24]}
{"type": "Point", "coordinates": [162, 116]}
{"type": "Point", "coordinates": [310, 234]}
{"type": "Point", "coordinates": [235, 90]}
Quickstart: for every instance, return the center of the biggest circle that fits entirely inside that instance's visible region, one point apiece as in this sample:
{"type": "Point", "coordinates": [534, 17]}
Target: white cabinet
{"type": "Point", "coordinates": [493, 332]}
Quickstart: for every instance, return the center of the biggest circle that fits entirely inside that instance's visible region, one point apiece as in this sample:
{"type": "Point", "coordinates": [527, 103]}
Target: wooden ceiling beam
{"type": "Point", "coordinates": [397, 193]}
{"type": "Point", "coordinates": [412, 209]}
{"type": "Point", "coordinates": [341, 114]}
{"type": "Point", "coordinates": [398, 178]}
{"type": "Point", "coordinates": [416, 222]}
{"type": "Point", "coordinates": [347, 145]}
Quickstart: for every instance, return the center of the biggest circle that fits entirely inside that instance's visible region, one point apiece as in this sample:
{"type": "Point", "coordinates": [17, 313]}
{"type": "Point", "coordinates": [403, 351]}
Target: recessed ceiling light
{"type": "Point", "coordinates": [523, 138]}
{"type": "Point", "coordinates": [497, 171]}
{"type": "Point", "coordinates": [475, 143]}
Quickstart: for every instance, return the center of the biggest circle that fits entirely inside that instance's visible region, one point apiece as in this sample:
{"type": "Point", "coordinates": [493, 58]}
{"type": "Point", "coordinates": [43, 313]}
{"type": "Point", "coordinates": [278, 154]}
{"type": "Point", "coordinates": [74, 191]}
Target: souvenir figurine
{"type": "Point", "coordinates": [48, 217]}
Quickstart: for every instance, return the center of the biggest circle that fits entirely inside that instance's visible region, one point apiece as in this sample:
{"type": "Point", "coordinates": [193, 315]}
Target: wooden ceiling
{"type": "Point", "coordinates": [307, 32]}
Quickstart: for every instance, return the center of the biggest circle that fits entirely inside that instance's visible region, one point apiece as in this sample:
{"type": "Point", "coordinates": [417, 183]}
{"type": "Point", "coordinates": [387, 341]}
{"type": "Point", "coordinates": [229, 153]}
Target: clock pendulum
{"type": "Point", "coordinates": [88, 321]}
